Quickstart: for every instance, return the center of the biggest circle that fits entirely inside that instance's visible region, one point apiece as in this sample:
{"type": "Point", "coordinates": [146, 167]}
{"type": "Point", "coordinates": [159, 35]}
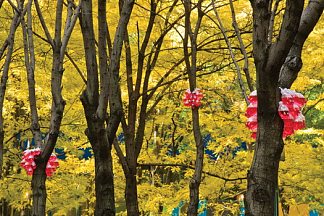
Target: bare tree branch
{"type": "Point", "coordinates": [68, 56]}
{"type": "Point", "coordinates": [238, 69]}
{"type": "Point", "coordinates": [103, 64]}
{"type": "Point", "coordinates": [151, 62]}
{"type": "Point", "coordinates": [121, 156]}
{"type": "Point", "coordinates": [191, 167]}
{"type": "Point", "coordinates": [8, 40]}
{"type": "Point", "coordinates": [141, 53]}
{"type": "Point", "coordinates": [289, 27]}
{"type": "Point", "coordinates": [76, 67]}
{"type": "Point", "coordinates": [115, 101]}
{"type": "Point", "coordinates": [242, 48]}
{"type": "Point", "coordinates": [293, 62]}
{"type": "Point", "coordinates": [70, 23]}
{"type": "Point", "coordinates": [312, 106]}
{"type": "Point", "coordinates": [42, 21]}
{"type": "Point", "coordinates": [13, 6]}
{"type": "Point", "coordinates": [30, 68]}
{"type": "Point", "coordinates": [129, 66]}
{"type": "Point", "coordinates": [57, 74]}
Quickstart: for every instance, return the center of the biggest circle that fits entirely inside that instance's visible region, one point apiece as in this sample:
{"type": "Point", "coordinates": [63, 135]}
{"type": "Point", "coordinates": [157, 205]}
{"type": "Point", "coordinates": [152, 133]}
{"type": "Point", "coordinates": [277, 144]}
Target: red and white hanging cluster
{"type": "Point", "coordinates": [51, 165]}
{"type": "Point", "coordinates": [192, 99]}
{"type": "Point", "coordinates": [29, 164]}
{"type": "Point", "coordinates": [289, 110]}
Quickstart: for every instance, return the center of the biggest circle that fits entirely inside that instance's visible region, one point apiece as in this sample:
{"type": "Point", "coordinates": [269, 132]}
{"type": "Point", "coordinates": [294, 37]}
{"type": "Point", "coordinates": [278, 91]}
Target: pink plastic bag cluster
{"type": "Point", "coordinates": [192, 99]}
{"type": "Point", "coordinates": [29, 164]}
{"type": "Point", "coordinates": [289, 110]}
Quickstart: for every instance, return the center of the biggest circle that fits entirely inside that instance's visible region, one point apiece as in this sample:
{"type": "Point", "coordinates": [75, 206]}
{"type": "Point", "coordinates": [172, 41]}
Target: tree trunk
{"type": "Point", "coordinates": [191, 67]}
{"type": "Point", "coordinates": [263, 175]}
{"type": "Point", "coordinates": [58, 45]}
{"type": "Point", "coordinates": [131, 193]}
{"type": "Point", "coordinates": [196, 180]}
{"type": "Point", "coordinates": [268, 59]}
{"type": "Point", "coordinates": [39, 189]}
{"type": "Point", "coordinates": [104, 179]}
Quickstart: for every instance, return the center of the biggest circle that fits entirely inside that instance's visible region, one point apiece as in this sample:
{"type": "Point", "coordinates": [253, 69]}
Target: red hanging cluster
{"type": "Point", "coordinates": [29, 164]}
{"type": "Point", "coordinates": [192, 99]}
{"type": "Point", "coordinates": [51, 165]}
{"type": "Point", "coordinates": [289, 110]}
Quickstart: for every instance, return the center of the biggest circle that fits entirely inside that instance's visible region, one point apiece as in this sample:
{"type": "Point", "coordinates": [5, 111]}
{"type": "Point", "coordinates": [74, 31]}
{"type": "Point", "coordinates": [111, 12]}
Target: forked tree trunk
{"type": "Point", "coordinates": [268, 59]}
{"type": "Point", "coordinates": [104, 182]}
{"type": "Point", "coordinates": [262, 178]}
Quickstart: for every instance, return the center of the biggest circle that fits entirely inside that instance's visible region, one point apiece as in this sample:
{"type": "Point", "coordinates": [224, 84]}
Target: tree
{"type": "Point", "coordinates": [143, 95]}
{"type": "Point", "coordinates": [9, 45]}
{"type": "Point", "coordinates": [102, 129]}
{"type": "Point", "coordinates": [59, 45]}
{"type": "Point", "coordinates": [191, 67]}
{"type": "Point", "coordinates": [160, 130]}
{"type": "Point", "coordinates": [269, 57]}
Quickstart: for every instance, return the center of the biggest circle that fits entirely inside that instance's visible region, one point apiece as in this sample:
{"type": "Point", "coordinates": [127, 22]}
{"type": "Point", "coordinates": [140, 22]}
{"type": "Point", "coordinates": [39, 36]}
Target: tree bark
{"type": "Point", "coordinates": [263, 175]}
{"type": "Point", "coordinates": [39, 175]}
{"type": "Point", "coordinates": [196, 179]}
{"type": "Point", "coordinates": [268, 58]}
